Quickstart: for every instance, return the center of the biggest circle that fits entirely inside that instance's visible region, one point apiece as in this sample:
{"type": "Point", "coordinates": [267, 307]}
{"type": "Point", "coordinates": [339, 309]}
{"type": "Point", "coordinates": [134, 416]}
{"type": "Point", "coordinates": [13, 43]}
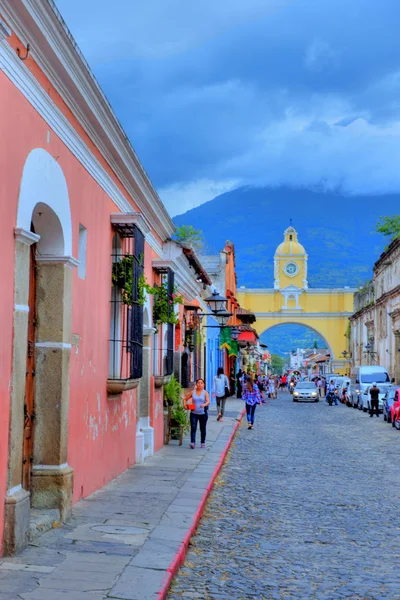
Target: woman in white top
{"type": "Point", "coordinates": [220, 382]}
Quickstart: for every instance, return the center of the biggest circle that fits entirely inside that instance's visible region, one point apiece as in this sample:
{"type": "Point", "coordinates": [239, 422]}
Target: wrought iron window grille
{"type": "Point", "coordinates": [126, 327]}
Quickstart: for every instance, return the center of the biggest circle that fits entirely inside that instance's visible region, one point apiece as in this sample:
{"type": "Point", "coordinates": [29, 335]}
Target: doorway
{"type": "Point", "coordinates": [29, 404]}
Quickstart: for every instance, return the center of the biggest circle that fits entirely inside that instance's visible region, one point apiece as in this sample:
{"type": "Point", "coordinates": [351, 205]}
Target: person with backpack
{"type": "Point", "coordinates": [220, 391]}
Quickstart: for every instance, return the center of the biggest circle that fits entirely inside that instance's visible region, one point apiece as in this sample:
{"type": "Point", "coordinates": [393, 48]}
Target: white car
{"type": "Point", "coordinates": [366, 398]}
{"type": "Point", "coordinates": [355, 396]}
{"type": "Point", "coordinates": [305, 390]}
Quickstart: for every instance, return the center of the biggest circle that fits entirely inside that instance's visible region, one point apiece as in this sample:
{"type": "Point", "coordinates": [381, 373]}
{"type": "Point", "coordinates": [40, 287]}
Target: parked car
{"type": "Point", "coordinates": [366, 397]}
{"type": "Point", "coordinates": [395, 408]}
{"type": "Point", "coordinates": [363, 377]}
{"type": "Point", "coordinates": [305, 390]}
{"type": "Point", "coordinates": [390, 397]}
{"type": "Point", "coordinates": [397, 422]}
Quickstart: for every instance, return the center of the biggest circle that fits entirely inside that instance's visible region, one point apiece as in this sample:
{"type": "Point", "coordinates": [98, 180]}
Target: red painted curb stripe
{"type": "Point", "coordinates": [180, 555]}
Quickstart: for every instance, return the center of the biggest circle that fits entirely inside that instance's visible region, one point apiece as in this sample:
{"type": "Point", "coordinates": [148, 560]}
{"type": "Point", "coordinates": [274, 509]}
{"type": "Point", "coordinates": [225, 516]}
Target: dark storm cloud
{"type": "Point", "coordinates": [214, 95]}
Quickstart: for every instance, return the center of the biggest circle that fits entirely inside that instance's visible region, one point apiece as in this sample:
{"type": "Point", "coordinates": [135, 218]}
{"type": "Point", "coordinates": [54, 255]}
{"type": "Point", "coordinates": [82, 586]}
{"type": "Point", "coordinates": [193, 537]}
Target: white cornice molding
{"type": "Point", "coordinates": [29, 87]}
{"type": "Point", "coordinates": [58, 56]}
{"type": "Point", "coordinates": [5, 31]}
{"type": "Point", "coordinates": [183, 275]}
{"type": "Point", "coordinates": [26, 237]}
{"type": "Point", "coordinates": [22, 78]}
{"type": "Point", "coordinates": [68, 261]}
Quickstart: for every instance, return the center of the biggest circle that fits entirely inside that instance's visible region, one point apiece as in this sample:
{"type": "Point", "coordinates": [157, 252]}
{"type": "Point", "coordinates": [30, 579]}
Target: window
{"type": "Point", "coordinates": [163, 351]}
{"type": "Point", "coordinates": [126, 323]}
{"type": "Point", "coordinates": [82, 252]}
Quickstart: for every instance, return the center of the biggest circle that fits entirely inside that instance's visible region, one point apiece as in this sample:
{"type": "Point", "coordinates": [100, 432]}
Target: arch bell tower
{"type": "Point", "coordinates": [290, 269]}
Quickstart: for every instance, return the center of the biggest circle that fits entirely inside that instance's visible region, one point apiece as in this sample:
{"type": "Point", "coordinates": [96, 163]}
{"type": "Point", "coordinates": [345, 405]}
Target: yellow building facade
{"type": "Point", "coordinates": [325, 311]}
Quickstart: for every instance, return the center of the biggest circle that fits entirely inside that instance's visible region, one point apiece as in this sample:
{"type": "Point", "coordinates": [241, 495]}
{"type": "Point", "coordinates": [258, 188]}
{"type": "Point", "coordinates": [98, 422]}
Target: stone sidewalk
{"type": "Point", "coordinates": [121, 541]}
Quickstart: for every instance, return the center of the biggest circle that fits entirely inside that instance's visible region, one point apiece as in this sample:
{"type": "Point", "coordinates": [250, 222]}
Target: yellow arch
{"type": "Point", "coordinates": [326, 311]}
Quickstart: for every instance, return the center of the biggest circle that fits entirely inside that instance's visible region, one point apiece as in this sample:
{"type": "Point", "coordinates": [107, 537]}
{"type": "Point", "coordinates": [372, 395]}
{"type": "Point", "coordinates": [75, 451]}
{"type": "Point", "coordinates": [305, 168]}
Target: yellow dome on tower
{"type": "Point", "coordinates": [290, 245]}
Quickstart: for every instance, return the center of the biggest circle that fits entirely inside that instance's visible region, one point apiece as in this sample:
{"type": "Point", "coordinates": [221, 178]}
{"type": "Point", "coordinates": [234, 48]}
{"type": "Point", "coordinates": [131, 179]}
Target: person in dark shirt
{"type": "Point", "coordinates": [374, 393]}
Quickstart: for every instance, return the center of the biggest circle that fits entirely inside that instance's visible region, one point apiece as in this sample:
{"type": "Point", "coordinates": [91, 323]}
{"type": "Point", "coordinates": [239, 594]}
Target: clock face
{"type": "Point", "coordinates": [291, 269]}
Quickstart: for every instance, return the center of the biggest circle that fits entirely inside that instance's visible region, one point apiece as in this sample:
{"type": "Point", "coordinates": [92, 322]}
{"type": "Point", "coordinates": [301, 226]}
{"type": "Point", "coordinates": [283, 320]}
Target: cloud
{"type": "Point", "coordinates": [181, 197]}
{"type": "Point", "coordinates": [319, 56]}
{"type": "Point", "coordinates": [263, 92]}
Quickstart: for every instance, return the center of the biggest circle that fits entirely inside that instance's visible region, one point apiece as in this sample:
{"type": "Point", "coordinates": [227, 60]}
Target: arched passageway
{"type": "Point", "coordinates": [39, 475]}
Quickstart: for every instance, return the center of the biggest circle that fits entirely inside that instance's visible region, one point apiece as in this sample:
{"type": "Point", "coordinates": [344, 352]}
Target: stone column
{"type": "Point", "coordinates": [145, 433]}
{"type": "Point", "coordinates": [52, 478]}
{"type": "Point", "coordinates": [17, 502]}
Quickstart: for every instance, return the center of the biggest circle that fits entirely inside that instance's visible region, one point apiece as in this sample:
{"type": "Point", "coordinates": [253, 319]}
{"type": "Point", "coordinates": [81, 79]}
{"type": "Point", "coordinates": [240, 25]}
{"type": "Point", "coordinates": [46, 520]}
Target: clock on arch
{"type": "Point", "coordinates": [291, 269]}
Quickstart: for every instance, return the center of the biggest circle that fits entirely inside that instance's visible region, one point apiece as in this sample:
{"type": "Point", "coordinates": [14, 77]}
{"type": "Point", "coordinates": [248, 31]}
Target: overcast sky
{"type": "Point", "coordinates": [215, 94]}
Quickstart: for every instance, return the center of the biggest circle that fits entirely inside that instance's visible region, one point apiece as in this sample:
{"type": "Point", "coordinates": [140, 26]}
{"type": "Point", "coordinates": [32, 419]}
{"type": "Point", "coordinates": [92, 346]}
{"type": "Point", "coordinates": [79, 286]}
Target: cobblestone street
{"type": "Point", "coordinates": [305, 507]}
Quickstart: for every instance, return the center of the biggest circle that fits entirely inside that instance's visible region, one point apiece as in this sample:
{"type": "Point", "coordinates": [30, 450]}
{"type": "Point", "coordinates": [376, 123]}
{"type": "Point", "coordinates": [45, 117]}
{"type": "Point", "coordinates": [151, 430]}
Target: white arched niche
{"type": "Point", "coordinates": [44, 200]}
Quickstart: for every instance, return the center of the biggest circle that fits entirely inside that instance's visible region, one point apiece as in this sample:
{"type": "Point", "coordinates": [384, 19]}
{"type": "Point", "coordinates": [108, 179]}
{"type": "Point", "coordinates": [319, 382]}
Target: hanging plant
{"type": "Point", "coordinates": [163, 307]}
{"type": "Point", "coordinates": [189, 339]}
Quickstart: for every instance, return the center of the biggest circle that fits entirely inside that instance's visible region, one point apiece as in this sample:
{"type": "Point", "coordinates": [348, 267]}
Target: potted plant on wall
{"type": "Point", "coordinates": [177, 422]}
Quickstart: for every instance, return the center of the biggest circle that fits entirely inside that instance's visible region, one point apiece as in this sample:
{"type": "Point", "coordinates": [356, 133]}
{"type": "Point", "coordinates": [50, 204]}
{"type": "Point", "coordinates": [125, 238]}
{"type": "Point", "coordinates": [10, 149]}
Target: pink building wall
{"type": "Point", "coordinates": [101, 432]}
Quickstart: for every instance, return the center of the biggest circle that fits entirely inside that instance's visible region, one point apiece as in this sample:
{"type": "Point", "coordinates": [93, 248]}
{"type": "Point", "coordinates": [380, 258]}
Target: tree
{"type": "Point", "coordinates": [389, 226]}
{"type": "Point", "coordinates": [187, 234]}
{"type": "Point", "coordinates": [316, 345]}
{"type": "Point", "coordinates": [277, 364]}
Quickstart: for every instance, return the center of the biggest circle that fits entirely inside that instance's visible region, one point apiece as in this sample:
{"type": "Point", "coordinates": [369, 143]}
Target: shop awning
{"type": "Point", "coordinates": [247, 336]}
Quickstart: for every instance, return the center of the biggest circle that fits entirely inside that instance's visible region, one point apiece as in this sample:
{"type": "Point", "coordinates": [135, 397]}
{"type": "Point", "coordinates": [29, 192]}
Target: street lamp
{"type": "Point", "coordinates": [344, 354]}
{"type": "Point", "coordinates": [216, 302]}
{"type": "Point", "coordinates": [371, 355]}
{"type": "Point", "coordinates": [235, 333]}
{"type": "Point", "coordinates": [223, 317]}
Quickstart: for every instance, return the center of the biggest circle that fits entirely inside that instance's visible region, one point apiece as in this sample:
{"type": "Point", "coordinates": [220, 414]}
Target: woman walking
{"type": "Point", "coordinates": [200, 399]}
{"type": "Point", "coordinates": [220, 391]}
{"type": "Point", "coordinates": [251, 395]}
{"type": "Point", "coordinates": [271, 388]}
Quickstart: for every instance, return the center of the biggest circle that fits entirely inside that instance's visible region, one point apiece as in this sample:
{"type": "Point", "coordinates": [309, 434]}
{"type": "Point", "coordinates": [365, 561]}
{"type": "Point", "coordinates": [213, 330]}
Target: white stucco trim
{"type": "Point", "coordinates": [131, 218]}
{"type": "Point", "coordinates": [50, 467]}
{"type": "Point", "coordinates": [61, 345]}
{"type": "Point", "coordinates": [68, 261]}
{"type": "Point", "coordinates": [43, 182]}
{"type": "Point", "coordinates": [26, 236]}
{"type": "Point", "coordinates": [21, 308]}
{"type": "Point", "coordinates": [14, 490]}
{"type": "Point", "coordinates": [5, 31]}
